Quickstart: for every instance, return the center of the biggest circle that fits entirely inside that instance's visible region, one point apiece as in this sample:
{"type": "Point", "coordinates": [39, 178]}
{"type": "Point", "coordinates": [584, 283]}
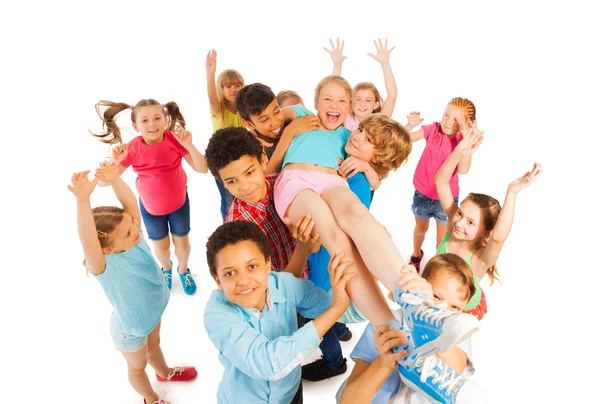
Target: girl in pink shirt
{"type": "Point", "coordinates": [441, 140]}
{"type": "Point", "coordinates": [156, 156]}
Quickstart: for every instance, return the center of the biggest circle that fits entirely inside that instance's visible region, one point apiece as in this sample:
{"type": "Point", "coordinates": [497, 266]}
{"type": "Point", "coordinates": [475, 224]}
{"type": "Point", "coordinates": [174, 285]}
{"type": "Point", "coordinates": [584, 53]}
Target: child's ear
{"type": "Point", "coordinates": [487, 234]}
{"type": "Point", "coordinates": [268, 265]}
{"type": "Point", "coordinates": [376, 105]}
{"type": "Point", "coordinates": [106, 250]}
{"type": "Point", "coordinates": [218, 282]}
{"type": "Point", "coordinates": [248, 125]}
{"type": "Point", "coordinates": [135, 128]}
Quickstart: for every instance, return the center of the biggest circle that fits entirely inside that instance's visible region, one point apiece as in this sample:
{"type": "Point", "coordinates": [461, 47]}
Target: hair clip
{"type": "Point", "coordinates": [101, 234]}
{"type": "Point", "coordinates": [131, 107]}
{"type": "Point", "coordinates": [164, 105]}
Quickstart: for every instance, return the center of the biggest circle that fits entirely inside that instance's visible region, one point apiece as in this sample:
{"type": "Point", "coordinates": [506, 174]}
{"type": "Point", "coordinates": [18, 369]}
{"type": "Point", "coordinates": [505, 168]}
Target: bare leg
{"type": "Point", "coordinates": [421, 227]}
{"type": "Point", "coordinates": [372, 241]}
{"type": "Point", "coordinates": [182, 252]}
{"type": "Point", "coordinates": [162, 249]}
{"type": "Point", "coordinates": [154, 355]}
{"type": "Point", "coordinates": [442, 230]}
{"type": "Point", "coordinates": [136, 372]}
{"type": "Point", "coordinates": [363, 288]}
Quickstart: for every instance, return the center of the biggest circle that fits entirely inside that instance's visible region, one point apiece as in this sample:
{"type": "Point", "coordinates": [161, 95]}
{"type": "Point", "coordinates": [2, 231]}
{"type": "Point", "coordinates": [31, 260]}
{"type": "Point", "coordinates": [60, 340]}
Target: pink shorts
{"type": "Point", "coordinates": [291, 182]}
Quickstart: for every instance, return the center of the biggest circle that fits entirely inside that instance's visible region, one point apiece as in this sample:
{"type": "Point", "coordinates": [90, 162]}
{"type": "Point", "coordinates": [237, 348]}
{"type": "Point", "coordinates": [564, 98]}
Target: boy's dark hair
{"type": "Point", "coordinates": [230, 144]}
{"type": "Point", "coordinates": [232, 233]}
{"type": "Point", "coordinates": [253, 99]}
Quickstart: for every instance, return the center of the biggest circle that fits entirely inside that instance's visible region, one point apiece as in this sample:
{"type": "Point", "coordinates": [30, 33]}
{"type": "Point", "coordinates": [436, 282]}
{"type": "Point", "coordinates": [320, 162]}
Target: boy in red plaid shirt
{"type": "Point", "coordinates": [236, 157]}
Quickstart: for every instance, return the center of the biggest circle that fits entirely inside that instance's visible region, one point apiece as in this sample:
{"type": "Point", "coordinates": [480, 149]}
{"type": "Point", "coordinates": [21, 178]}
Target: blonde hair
{"type": "Point", "coordinates": [454, 266]}
{"type": "Point", "coordinates": [490, 210]}
{"type": "Point", "coordinates": [391, 143]}
{"type": "Point", "coordinates": [365, 85]}
{"type": "Point", "coordinates": [282, 96]}
{"type": "Point", "coordinates": [106, 220]}
{"type": "Point", "coordinates": [339, 80]}
{"type": "Point", "coordinates": [229, 76]}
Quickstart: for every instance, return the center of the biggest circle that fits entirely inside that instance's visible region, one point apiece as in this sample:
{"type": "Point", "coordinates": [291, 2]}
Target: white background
{"type": "Point", "coordinates": [531, 70]}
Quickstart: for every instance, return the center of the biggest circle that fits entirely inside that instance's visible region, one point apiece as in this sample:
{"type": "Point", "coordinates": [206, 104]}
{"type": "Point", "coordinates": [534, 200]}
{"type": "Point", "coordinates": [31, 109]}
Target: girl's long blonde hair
{"type": "Point", "coordinates": [229, 76]}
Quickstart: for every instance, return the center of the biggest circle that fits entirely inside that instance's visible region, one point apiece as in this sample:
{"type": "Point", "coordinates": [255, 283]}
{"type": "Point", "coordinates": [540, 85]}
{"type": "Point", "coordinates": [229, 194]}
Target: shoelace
{"type": "Point", "coordinates": [433, 312]}
{"type": "Point", "coordinates": [168, 276]}
{"type": "Point", "coordinates": [161, 398]}
{"type": "Point", "coordinates": [435, 368]}
{"type": "Point", "coordinates": [188, 279]}
{"type": "Point", "coordinates": [176, 372]}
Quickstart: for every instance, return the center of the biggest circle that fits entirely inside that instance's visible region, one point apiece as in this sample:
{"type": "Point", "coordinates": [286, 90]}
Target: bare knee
{"type": "Point", "coordinates": [351, 215]}
{"type": "Point", "coordinates": [421, 228]}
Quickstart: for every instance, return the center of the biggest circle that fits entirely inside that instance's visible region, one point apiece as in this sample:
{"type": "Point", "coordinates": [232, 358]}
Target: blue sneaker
{"type": "Point", "coordinates": [187, 281]}
{"type": "Point", "coordinates": [433, 328]}
{"type": "Point", "coordinates": [168, 275]}
{"type": "Point", "coordinates": [436, 380]}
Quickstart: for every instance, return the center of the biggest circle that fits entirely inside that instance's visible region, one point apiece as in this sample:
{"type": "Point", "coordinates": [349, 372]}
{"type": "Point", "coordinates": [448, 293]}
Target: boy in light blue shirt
{"type": "Point", "coordinates": [252, 320]}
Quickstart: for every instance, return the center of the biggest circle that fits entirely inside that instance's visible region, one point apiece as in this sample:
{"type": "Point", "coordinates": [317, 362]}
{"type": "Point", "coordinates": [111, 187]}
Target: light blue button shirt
{"type": "Point", "coordinates": [320, 147]}
{"type": "Point", "coordinates": [262, 351]}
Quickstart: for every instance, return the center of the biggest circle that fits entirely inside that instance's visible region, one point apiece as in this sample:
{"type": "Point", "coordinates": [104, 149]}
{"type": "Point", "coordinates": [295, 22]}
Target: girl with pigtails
{"type": "Point", "coordinates": [155, 156]}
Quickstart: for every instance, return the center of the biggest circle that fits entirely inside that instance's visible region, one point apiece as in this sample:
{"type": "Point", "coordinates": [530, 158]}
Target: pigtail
{"type": "Point", "coordinates": [112, 135]}
{"type": "Point", "coordinates": [174, 116]}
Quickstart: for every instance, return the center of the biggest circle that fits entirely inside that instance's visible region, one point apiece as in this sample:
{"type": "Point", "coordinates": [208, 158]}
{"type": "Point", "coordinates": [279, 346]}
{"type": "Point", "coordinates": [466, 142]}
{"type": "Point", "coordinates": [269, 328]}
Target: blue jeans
{"type": "Point", "coordinates": [226, 199]}
{"type": "Point", "coordinates": [330, 346]}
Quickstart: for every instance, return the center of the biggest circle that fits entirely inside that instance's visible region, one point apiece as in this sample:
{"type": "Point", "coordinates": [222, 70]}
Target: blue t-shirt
{"type": "Point", "coordinates": [317, 262]}
{"type": "Point", "coordinates": [319, 147]}
{"type": "Point", "coordinates": [136, 288]}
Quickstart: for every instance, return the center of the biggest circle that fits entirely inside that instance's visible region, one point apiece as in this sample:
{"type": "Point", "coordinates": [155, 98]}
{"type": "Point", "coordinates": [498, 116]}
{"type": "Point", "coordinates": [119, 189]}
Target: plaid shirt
{"type": "Point", "coordinates": [263, 213]}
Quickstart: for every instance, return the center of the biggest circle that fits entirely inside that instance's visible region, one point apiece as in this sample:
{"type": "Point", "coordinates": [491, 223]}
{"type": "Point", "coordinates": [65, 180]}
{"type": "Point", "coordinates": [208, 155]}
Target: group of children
{"type": "Point", "coordinates": [296, 189]}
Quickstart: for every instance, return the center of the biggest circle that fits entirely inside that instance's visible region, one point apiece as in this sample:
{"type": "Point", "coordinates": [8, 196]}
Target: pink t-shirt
{"type": "Point", "coordinates": [351, 123]}
{"type": "Point", "coordinates": [161, 179]}
{"type": "Point", "coordinates": [437, 149]}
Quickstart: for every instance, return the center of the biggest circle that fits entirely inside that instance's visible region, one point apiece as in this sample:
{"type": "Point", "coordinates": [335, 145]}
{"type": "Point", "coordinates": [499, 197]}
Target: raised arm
{"type": "Point", "coordinates": [383, 57]}
{"type": "Point", "coordinates": [295, 128]}
{"type": "Point", "coordinates": [414, 119]}
{"type": "Point", "coordinates": [211, 86]}
{"type": "Point", "coordinates": [194, 158]}
{"type": "Point", "coordinates": [491, 251]}
{"type": "Point", "coordinates": [336, 56]}
{"type": "Point", "coordinates": [109, 172]}
{"type": "Point", "coordinates": [82, 188]}
{"type": "Point", "coordinates": [466, 147]}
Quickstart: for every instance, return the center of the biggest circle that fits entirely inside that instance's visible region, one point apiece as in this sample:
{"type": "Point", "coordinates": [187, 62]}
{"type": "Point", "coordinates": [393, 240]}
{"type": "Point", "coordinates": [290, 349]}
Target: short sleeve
{"type": "Point", "coordinates": [131, 152]}
{"type": "Point", "coordinates": [430, 129]}
{"type": "Point", "coordinates": [300, 110]}
{"type": "Point", "coordinates": [180, 149]}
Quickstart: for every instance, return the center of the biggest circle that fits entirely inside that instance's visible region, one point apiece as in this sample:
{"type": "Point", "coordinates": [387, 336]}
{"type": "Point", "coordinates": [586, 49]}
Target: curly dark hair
{"type": "Point", "coordinates": [253, 99]}
{"type": "Point", "coordinates": [232, 233]}
{"type": "Point", "coordinates": [230, 144]}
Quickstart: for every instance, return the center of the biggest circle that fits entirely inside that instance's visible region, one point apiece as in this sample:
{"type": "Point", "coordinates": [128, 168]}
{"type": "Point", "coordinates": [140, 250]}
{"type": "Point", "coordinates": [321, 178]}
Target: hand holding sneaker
{"type": "Point", "coordinates": [386, 338]}
{"type": "Point", "coordinates": [410, 281]}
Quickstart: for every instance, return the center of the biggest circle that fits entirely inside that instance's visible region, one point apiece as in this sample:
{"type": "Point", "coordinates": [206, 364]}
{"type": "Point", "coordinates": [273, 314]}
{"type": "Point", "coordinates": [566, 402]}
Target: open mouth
{"type": "Point", "coordinates": [246, 292]}
{"type": "Point", "coordinates": [276, 132]}
{"type": "Point", "coordinates": [332, 117]}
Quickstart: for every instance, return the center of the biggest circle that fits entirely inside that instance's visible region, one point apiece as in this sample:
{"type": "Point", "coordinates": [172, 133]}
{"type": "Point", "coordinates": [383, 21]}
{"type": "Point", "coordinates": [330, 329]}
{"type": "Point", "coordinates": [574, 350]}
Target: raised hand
{"type": "Point", "coordinates": [183, 136]}
{"type": "Point", "coordinates": [414, 118]}
{"type": "Point", "coordinates": [526, 179]}
{"type": "Point", "coordinates": [108, 171]}
{"type": "Point", "coordinates": [337, 266]}
{"type": "Point", "coordinates": [386, 338]}
{"type": "Point", "coordinates": [81, 186]}
{"type": "Point", "coordinates": [118, 153]}
{"type": "Point", "coordinates": [211, 61]}
{"type": "Point", "coordinates": [383, 53]}
{"type": "Point", "coordinates": [470, 142]}
{"type": "Point", "coordinates": [336, 51]}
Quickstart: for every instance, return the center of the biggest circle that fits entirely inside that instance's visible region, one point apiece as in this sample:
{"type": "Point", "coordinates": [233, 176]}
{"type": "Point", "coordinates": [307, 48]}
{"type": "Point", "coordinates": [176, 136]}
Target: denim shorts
{"type": "Point", "coordinates": [424, 208]}
{"type": "Point", "coordinates": [177, 222]}
{"type": "Point", "coordinates": [125, 342]}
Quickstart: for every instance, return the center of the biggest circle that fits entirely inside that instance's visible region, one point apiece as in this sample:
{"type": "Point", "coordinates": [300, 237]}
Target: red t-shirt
{"type": "Point", "coordinates": [161, 180]}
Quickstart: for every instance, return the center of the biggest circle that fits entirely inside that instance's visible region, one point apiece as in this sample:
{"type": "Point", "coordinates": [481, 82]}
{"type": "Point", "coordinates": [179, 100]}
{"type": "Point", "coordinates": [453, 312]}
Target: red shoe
{"type": "Point", "coordinates": [181, 374]}
{"type": "Point", "coordinates": [416, 262]}
{"type": "Point", "coordinates": [161, 399]}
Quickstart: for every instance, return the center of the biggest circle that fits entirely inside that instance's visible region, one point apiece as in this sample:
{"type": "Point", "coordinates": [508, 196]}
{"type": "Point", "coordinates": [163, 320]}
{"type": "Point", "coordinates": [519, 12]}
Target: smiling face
{"type": "Point", "coordinates": [466, 222]}
{"type": "Point", "coordinates": [242, 272]}
{"type": "Point", "coordinates": [245, 178]}
{"type": "Point", "coordinates": [365, 102]}
{"type": "Point", "coordinates": [268, 123]}
{"type": "Point", "coordinates": [150, 122]}
{"type": "Point", "coordinates": [125, 236]}
{"type": "Point", "coordinates": [360, 145]}
{"type": "Point", "coordinates": [333, 105]}
{"type": "Point", "coordinates": [453, 120]}
{"type": "Point", "coordinates": [448, 288]}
